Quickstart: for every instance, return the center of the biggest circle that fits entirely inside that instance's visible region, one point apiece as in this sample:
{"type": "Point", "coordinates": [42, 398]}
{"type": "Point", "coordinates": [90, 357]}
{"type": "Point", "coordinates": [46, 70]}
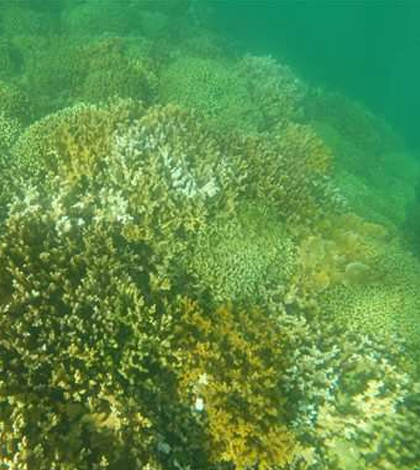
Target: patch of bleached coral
{"type": "Point", "coordinates": [138, 145]}
{"type": "Point", "coordinates": [354, 402]}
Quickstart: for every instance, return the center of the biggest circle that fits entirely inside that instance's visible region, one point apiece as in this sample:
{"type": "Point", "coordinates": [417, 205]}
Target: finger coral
{"type": "Point", "coordinates": [72, 142]}
{"type": "Point", "coordinates": [238, 258]}
{"type": "Point", "coordinates": [232, 368]}
{"type": "Point", "coordinates": [387, 307]}
{"type": "Point", "coordinates": [90, 71]}
{"type": "Point", "coordinates": [291, 171]}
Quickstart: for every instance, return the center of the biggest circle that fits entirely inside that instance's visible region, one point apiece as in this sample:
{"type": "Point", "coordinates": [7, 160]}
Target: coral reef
{"type": "Point", "coordinates": [274, 88]}
{"type": "Point", "coordinates": [290, 170]}
{"type": "Point", "coordinates": [239, 258]}
{"type": "Point", "coordinates": [374, 170]}
{"type": "Point", "coordinates": [354, 402]}
{"type": "Point", "coordinates": [353, 120]}
{"type": "Point", "coordinates": [68, 71]}
{"type": "Point", "coordinates": [233, 363]}
{"type": "Point", "coordinates": [233, 95]}
{"type": "Point", "coordinates": [95, 371]}
{"type": "Point", "coordinates": [388, 305]}
{"type": "Point", "coordinates": [72, 142]}
{"type": "Point", "coordinates": [211, 87]}
{"type": "Point", "coordinates": [342, 250]}
{"type": "Point", "coordinates": [201, 257]}
{"type": "Point", "coordinates": [110, 71]}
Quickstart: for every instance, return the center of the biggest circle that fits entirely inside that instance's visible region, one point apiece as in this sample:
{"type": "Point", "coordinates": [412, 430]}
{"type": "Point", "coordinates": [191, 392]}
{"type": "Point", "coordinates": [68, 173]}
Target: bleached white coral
{"type": "Point", "coordinates": [114, 207]}
{"type": "Point", "coordinates": [173, 165]}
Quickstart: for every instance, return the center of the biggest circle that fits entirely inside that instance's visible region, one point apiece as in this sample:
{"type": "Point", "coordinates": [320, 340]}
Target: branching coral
{"type": "Point", "coordinates": [240, 257]}
{"type": "Point", "coordinates": [65, 339]}
{"type": "Point", "coordinates": [289, 170]}
{"type": "Point", "coordinates": [109, 71]}
{"type": "Point", "coordinates": [86, 340]}
{"type": "Point", "coordinates": [211, 87]}
{"type": "Point", "coordinates": [9, 131]}
{"type": "Point", "coordinates": [274, 88]}
{"type": "Point", "coordinates": [104, 367]}
{"type": "Point", "coordinates": [72, 142]}
{"type": "Point", "coordinates": [66, 72]}
{"type": "Point", "coordinates": [353, 399]}
{"type": "Point", "coordinates": [257, 94]}
{"type": "Point", "coordinates": [374, 170]}
{"type": "Point", "coordinates": [232, 365]}
{"type": "Point", "coordinates": [387, 306]}
{"type": "Point", "coordinates": [161, 176]}
{"type": "Point", "coordinates": [187, 289]}
{"type": "Point", "coordinates": [353, 120]}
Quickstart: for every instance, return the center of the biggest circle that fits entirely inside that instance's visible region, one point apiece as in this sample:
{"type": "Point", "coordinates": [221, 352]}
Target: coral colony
{"type": "Point", "coordinates": [200, 268]}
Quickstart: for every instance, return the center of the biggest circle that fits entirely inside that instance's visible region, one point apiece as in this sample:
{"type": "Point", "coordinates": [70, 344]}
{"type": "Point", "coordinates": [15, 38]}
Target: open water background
{"type": "Point", "coordinates": [369, 49]}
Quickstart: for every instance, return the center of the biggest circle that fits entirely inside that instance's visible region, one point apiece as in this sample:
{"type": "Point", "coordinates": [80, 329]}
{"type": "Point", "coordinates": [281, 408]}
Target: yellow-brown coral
{"type": "Point", "coordinates": [343, 249]}
{"type": "Point", "coordinates": [72, 142]}
{"type": "Point", "coordinates": [232, 362]}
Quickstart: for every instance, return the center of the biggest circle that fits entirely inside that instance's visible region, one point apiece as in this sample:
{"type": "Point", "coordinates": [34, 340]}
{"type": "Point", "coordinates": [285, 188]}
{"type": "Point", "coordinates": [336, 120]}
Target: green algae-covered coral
{"type": "Point", "coordinates": [388, 305]}
{"type": "Point", "coordinates": [239, 258]}
{"type": "Point", "coordinates": [67, 71]}
{"type": "Point", "coordinates": [256, 94]}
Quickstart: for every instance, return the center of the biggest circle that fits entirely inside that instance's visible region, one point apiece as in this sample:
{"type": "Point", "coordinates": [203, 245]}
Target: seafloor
{"type": "Point", "coordinates": [206, 263]}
